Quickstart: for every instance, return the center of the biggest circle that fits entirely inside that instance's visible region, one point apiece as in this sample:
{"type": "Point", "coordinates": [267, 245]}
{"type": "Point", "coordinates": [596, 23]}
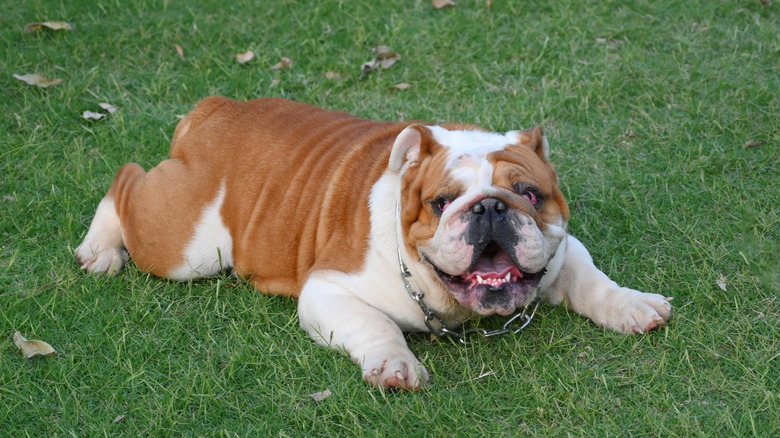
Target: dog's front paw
{"type": "Point", "coordinates": [96, 260]}
{"type": "Point", "coordinates": [395, 371]}
{"type": "Point", "coordinates": [632, 311]}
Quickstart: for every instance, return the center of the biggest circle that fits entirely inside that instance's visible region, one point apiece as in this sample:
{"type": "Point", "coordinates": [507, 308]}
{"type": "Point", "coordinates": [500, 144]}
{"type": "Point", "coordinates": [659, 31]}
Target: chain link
{"type": "Point", "coordinates": [513, 325]}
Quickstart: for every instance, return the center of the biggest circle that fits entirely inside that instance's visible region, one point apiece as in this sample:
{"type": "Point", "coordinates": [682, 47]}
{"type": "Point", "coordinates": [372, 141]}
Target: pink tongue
{"type": "Point", "coordinates": [495, 267]}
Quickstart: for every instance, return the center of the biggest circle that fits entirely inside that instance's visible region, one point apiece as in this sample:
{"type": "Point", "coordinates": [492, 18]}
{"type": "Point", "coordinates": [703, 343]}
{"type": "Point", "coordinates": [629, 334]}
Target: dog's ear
{"type": "Point", "coordinates": [407, 147]}
{"type": "Point", "coordinates": [532, 139]}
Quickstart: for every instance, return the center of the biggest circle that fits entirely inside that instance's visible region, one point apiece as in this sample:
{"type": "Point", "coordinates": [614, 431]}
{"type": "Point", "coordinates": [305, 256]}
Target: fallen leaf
{"type": "Point", "coordinates": [489, 3]}
{"type": "Point", "coordinates": [385, 58]}
{"type": "Point", "coordinates": [33, 347]}
{"type": "Point", "coordinates": [753, 144]}
{"type": "Point", "coordinates": [53, 25]}
{"type": "Point", "coordinates": [108, 107]}
{"type": "Point", "coordinates": [402, 86]}
{"type": "Point", "coordinates": [119, 418]}
{"type": "Point", "coordinates": [282, 64]}
{"type": "Point", "coordinates": [320, 396]}
{"type": "Point", "coordinates": [245, 57]}
{"type": "Point", "coordinates": [179, 51]}
{"type": "Point", "coordinates": [89, 115]}
{"type": "Point", "coordinates": [368, 67]}
{"type": "Point", "coordinates": [332, 75]}
{"type": "Point", "coordinates": [722, 282]}
{"type": "Point", "coordinates": [438, 4]}
{"type": "Point", "coordinates": [36, 79]}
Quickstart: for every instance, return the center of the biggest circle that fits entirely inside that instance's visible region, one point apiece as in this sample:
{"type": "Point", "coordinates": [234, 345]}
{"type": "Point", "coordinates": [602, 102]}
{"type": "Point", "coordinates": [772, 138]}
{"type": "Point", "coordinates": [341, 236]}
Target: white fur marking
{"type": "Point", "coordinates": [211, 247]}
{"type": "Point", "coordinates": [476, 143]}
{"type": "Point", "coordinates": [102, 250]}
{"type": "Point", "coordinates": [467, 160]}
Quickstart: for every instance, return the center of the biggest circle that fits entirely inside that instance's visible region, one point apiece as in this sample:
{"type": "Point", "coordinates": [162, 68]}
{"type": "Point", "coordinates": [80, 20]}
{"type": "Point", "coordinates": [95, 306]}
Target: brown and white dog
{"type": "Point", "coordinates": [318, 205]}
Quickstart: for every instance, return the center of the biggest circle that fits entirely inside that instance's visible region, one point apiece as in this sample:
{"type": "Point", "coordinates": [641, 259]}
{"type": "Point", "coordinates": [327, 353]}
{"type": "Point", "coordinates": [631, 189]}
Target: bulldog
{"type": "Point", "coordinates": [356, 218]}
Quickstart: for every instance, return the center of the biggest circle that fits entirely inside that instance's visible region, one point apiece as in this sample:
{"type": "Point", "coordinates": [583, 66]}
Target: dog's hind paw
{"type": "Point", "coordinates": [96, 260]}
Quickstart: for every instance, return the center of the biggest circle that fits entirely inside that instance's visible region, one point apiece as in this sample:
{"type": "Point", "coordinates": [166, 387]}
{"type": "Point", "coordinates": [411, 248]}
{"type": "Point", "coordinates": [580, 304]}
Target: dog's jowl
{"type": "Point", "coordinates": [328, 208]}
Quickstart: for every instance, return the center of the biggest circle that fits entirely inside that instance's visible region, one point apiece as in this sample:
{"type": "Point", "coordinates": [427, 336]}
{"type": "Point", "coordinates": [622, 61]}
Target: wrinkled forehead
{"type": "Point", "coordinates": [467, 152]}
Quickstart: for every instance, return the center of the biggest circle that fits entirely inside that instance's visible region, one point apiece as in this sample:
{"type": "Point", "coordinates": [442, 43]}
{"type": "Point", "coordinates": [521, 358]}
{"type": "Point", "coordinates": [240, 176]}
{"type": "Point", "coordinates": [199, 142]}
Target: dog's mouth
{"type": "Point", "coordinates": [493, 284]}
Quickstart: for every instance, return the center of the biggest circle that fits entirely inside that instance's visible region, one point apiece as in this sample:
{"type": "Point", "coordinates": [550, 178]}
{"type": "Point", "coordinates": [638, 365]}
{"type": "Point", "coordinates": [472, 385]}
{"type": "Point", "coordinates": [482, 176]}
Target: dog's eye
{"type": "Point", "coordinates": [440, 204]}
{"type": "Point", "coordinates": [531, 196]}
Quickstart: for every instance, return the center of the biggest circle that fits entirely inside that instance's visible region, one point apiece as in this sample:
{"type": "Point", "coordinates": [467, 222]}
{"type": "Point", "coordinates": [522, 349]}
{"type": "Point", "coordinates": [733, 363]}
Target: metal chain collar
{"type": "Point", "coordinates": [435, 322]}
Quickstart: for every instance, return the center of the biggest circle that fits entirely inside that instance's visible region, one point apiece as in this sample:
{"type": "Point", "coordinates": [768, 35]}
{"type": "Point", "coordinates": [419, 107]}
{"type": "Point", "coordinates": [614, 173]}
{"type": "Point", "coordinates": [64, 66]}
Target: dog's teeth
{"type": "Point", "coordinates": [508, 277]}
{"type": "Point", "coordinates": [480, 280]}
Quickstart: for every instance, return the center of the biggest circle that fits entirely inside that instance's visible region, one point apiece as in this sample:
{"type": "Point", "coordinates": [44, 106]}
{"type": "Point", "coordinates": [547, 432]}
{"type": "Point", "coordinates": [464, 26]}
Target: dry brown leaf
{"type": "Point", "coordinates": [245, 57]}
{"type": "Point", "coordinates": [179, 51]}
{"type": "Point", "coordinates": [722, 282]}
{"type": "Point", "coordinates": [369, 66]}
{"type": "Point", "coordinates": [282, 64]}
{"type": "Point", "coordinates": [89, 115]}
{"type": "Point", "coordinates": [119, 418]}
{"type": "Point", "coordinates": [31, 348]}
{"type": "Point", "coordinates": [438, 4]}
{"type": "Point", "coordinates": [385, 58]}
{"type": "Point", "coordinates": [489, 3]}
{"type": "Point", "coordinates": [108, 107]}
{"type": "Point", "coordinates": [402, 86]}
{"type": "Point", "coordinates": [36, 79]}
{"type": "Point", "coordinates": [320, 396]}
{"type": "Point", "coordinates": [332, 75]}
{"type": "Point", "coordinates": [53, 25]}
{"type": "Point", "coordinates": [753, 144]}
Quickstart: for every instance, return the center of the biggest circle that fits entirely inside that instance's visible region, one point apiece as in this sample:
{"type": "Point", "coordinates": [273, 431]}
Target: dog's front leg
{"type": "Point", "coordinates": [337, 318]}
{"type": "Point", "coordinates": [589, 292]}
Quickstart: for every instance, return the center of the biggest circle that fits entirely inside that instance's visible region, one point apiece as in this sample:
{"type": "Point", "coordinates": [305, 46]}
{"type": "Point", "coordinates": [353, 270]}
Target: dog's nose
{"type": "Point", "coordinates": [491, 207]}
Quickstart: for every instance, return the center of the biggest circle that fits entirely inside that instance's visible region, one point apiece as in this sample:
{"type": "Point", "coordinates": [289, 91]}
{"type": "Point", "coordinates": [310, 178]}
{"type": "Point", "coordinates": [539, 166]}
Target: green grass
{"type": "Point", "coordinates": [648, 106]}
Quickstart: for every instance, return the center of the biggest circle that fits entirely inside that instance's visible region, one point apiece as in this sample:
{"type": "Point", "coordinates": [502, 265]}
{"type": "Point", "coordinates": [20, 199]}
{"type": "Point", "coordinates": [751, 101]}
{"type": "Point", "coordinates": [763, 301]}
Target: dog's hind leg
{"type": "Point", "coordinates": [168, 223]}
{"type": "Point", "coordinates": [103, 249]}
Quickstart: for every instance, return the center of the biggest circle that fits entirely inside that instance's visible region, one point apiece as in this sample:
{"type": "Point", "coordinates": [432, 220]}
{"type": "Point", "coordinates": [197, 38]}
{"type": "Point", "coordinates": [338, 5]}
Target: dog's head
{"type": "Point", "coordinates": [482, 212]}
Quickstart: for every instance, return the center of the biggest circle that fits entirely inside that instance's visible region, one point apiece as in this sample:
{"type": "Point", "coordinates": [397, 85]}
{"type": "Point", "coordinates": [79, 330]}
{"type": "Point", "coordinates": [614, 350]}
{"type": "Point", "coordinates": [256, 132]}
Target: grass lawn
{"type": "Point", "coordinates": [664, 120]}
